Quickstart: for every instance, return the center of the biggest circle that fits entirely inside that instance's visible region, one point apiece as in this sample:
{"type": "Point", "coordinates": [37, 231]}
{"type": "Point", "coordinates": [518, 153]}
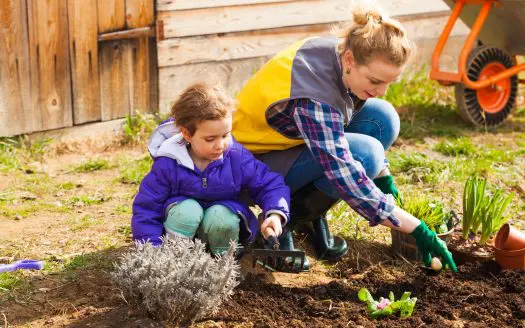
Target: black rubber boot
{"type": "Point", "coordinates": [309, 206]}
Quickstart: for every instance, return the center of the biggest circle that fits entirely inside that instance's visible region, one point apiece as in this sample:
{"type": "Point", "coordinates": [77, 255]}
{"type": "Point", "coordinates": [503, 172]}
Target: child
{"type": "Point", "coordinates": [197, 176]}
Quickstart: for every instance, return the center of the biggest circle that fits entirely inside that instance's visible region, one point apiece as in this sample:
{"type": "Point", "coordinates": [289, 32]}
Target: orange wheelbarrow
{"type": "Point", "coordinates": [486, 83]}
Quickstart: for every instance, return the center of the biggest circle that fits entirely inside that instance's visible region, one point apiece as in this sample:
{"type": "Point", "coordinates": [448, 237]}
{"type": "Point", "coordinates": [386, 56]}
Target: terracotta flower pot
{"type": "Point", "coordinates": [509, 238]}
{"type": "Point", "coordinates": [462, 257]}
{"type": "Point", "coordinates": [510, 259]}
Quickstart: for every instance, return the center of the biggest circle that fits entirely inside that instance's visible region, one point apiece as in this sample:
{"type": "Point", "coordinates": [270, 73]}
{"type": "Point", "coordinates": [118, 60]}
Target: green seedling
{"type": "Point", "coordinates": [387, 306]}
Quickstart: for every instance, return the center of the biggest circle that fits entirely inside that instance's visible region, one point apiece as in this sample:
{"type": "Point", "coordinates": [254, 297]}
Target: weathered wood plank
{"type": "Point", "coordinates": [135, 33]}
{"type": "Point", "coordinates": [50, 70]}
{"type": "Point", "coordinates": [273, 15]}
{"type": "Point", "coordinates": [15, 84]}
{"type": "Point", "coordinates": [231, 74]}
{"type": "Point", "coordinates": [115, 76]}
{"type": "Point", "coordinates": [144, 71]}
{"type": "Point", "coordinates": [111, 15]}
{"type": "Point", "coordinates": [83, 47]}
{"type": "Point", "coordinates": [165, 5]}
{"type": "Point", "coordinates": [139, 13]}
{"type": "Point", "coordinates": [180, 51]}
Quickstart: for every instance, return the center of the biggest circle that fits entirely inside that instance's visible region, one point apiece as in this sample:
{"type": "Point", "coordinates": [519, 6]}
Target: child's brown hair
{"type": "Point", "coordinates": [201, 102]}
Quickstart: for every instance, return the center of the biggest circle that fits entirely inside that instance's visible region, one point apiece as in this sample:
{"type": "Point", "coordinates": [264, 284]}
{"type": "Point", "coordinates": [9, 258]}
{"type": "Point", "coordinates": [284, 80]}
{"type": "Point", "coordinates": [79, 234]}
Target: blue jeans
{"type": "Point", "coordinates": [369, 134]}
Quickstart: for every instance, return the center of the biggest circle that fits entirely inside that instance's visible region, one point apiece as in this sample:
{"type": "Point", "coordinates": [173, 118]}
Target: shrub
{"type": "Point", "coordinates": [179, 281]}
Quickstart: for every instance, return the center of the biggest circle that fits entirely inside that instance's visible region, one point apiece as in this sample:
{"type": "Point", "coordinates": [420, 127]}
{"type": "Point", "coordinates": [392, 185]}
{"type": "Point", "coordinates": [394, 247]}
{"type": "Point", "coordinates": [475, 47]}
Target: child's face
{"type": "Point", "coordinates": [211, 138]}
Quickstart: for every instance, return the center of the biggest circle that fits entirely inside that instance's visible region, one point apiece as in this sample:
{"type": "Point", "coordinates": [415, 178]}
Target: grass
{"type": "Point", "coordinates": [17, 152]}
{"type": "Point", "coordinates": [91, 165]}
{"type": "Point", "coordinates": [24, 210]}
{"type": "Point", "coordinates": [83, 200]}
{"type": "Point", "coordinates": [459, 146]}
{"type": "Point", "coordinates": [66, 185]}
{"type": "Point", "coordinates": [132, 171]}
{"type": "Point", "coordinates": [68, 268]}
{"type": "Point", "coordinates": [38, 184]}
{"type": "Point", "coordinates": [84, 222]}
{"type": "Point", "coordinates": [138, 127]}
{"type": "Point", "coordinates": [124, 230]}
{"type": "Point", "coordinates": [425, 107]}
{"type": "Point", "coordinates": [123, 209]}
{"type": "Point", "coordinates": [9, 281]}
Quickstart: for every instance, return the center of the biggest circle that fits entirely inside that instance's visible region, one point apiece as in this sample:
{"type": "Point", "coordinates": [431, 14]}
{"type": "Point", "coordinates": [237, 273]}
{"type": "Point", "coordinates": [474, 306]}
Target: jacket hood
{"type": "Point", "coordinates": [167, 141]}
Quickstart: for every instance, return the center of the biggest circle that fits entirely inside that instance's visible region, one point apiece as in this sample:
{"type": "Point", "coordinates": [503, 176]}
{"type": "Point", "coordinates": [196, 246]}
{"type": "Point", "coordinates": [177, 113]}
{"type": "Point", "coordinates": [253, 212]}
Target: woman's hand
{"type": "Point", "coordinates": [427, 241]}
{"type": "Point", "coordinates": [273, 221]}
{"type": "Point", "coordinates": [429, 244]}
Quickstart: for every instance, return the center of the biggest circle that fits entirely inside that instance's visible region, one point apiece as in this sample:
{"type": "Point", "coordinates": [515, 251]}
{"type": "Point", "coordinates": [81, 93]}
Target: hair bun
{"type": "Point", "coordinates": [375, 16]}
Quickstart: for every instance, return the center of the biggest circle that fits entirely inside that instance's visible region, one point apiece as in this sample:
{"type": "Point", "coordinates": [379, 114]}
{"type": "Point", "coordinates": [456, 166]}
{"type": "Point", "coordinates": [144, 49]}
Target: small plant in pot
{"type": "Point", "coordinates": [435, 216]}
{"type": "Point", "coordinates": [483, 215]}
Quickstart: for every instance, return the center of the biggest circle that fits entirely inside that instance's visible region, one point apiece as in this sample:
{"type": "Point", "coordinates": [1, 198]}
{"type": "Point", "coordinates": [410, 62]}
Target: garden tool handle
{"type": "Point", "coordinates": [270, 235]}
{"type": "Point", "coordinates": [22, 264]}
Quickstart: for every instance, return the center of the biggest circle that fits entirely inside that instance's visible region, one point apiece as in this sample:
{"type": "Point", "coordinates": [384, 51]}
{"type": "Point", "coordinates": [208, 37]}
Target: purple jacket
{"type": "Point", "coordinates": [174, 178]}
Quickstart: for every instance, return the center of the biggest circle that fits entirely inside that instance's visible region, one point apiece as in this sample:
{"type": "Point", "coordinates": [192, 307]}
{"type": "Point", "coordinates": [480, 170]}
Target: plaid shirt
{"type": "Point", "coordinates": [321, 126]}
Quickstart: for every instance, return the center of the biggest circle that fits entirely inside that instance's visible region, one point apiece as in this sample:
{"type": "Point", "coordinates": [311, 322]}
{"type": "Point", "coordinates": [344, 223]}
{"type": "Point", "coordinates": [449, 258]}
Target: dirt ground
{"type": "Point", "coordinates": [479, 295]}
{"type": "Point", "coordinates": [81, 242]}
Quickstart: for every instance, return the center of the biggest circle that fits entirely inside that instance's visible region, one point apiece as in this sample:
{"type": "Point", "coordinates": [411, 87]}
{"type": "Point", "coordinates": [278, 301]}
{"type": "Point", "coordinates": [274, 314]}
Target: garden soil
{"type": "Point", "coordinates": [479, 295]}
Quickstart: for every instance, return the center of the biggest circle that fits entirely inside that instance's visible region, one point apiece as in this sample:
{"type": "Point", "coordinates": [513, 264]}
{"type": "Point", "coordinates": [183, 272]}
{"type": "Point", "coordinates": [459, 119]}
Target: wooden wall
{"type": "Point", "coordinates": [54, 71]}
{"type": "Point", "coordinates": [228, 40]}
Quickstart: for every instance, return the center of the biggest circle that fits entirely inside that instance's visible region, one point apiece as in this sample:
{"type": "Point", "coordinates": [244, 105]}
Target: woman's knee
{"type": "Point", "coordinates": [184, 218]}
{"type": "Point", "coordinates": [390, 121]}
{"type": "Point", "coordinates": [378, 119]}
{"type": "Point", "coordinates": [369, 152]}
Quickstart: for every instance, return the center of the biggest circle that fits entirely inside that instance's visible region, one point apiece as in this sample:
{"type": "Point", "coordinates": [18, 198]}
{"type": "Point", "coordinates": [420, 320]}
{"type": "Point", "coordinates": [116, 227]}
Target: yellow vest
{"type": "Point", "coordinates": [319, 69]}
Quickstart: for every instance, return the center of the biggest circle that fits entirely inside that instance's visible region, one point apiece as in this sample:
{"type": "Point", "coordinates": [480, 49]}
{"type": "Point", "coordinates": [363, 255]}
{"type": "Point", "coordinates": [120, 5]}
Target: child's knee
{"type": "Point", "coordinates": [219, 227]}
{"type": "Point", "coordinates": [184, 219]}
{"type": "Point", "coordinates": [219, 217]}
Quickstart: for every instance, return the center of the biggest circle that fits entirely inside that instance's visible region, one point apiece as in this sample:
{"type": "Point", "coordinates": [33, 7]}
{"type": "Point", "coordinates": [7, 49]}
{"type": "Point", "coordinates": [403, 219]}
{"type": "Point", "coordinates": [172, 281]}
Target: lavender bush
{"type": "Point", "coordinates": [179, 281]}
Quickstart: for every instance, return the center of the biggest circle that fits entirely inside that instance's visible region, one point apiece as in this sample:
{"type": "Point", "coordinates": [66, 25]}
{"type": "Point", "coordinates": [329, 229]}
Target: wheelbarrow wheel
{"type": "Point", "coordinates": [489, 106]}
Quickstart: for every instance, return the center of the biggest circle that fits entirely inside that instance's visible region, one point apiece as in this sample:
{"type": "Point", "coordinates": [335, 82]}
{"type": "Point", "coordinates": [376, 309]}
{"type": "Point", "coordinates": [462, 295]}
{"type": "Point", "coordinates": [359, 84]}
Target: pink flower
{"type": "Point", "coordinates": [383, 304]}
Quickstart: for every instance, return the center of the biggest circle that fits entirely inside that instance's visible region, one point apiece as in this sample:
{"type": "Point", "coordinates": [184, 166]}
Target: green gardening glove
{"type": "Point", "coordinates": [429, 244]}
{"type": "Point", "coordinates": [387, 186]}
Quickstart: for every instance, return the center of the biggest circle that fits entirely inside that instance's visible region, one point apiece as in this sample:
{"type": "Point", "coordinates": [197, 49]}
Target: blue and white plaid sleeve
{"type": "Point", "coordinates": [323, 131]}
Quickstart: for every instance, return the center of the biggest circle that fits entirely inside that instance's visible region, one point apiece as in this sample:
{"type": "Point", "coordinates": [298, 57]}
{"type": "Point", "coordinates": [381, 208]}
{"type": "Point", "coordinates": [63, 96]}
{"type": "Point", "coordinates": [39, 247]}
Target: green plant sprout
{"type": "Point", "coordinates": [431, 212]}
{"type": "Point", "coordinates": [387, 306]}
{"type": "Point", "coordinates": [482, 210]}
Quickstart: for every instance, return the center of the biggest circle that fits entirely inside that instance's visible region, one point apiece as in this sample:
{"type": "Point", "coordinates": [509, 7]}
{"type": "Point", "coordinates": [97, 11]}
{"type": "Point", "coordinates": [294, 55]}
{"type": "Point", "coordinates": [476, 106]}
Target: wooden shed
{"type": "Point", "coordinates": [71, 62]}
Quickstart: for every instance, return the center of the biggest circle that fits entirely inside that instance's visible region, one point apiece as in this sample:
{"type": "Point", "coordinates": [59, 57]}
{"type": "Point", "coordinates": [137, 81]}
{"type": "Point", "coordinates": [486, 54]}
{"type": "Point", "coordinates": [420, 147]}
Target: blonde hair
{"type": "Point", "coordinates": [372, 35]}
{"type": "Point", "coordinates": [201, 102]}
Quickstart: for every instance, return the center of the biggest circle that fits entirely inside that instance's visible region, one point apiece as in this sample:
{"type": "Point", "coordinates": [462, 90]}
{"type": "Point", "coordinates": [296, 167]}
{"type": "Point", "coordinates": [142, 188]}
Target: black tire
{"type": "Point", "coordinates": [469, 107]}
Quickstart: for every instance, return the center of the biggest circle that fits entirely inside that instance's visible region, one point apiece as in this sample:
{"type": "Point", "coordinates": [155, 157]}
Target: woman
{"type": "Point", "coordinates": [310, 113]}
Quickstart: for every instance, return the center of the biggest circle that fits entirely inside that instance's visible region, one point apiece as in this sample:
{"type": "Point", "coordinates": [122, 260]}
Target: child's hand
{"type": "Point", "coordinates": [273, 221]}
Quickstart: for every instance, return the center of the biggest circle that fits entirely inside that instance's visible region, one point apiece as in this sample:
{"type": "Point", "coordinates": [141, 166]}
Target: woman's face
{"type": "Point", "coordinates": [371, 80]}
{"type": "Point", "coordinates": [211, 138]}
